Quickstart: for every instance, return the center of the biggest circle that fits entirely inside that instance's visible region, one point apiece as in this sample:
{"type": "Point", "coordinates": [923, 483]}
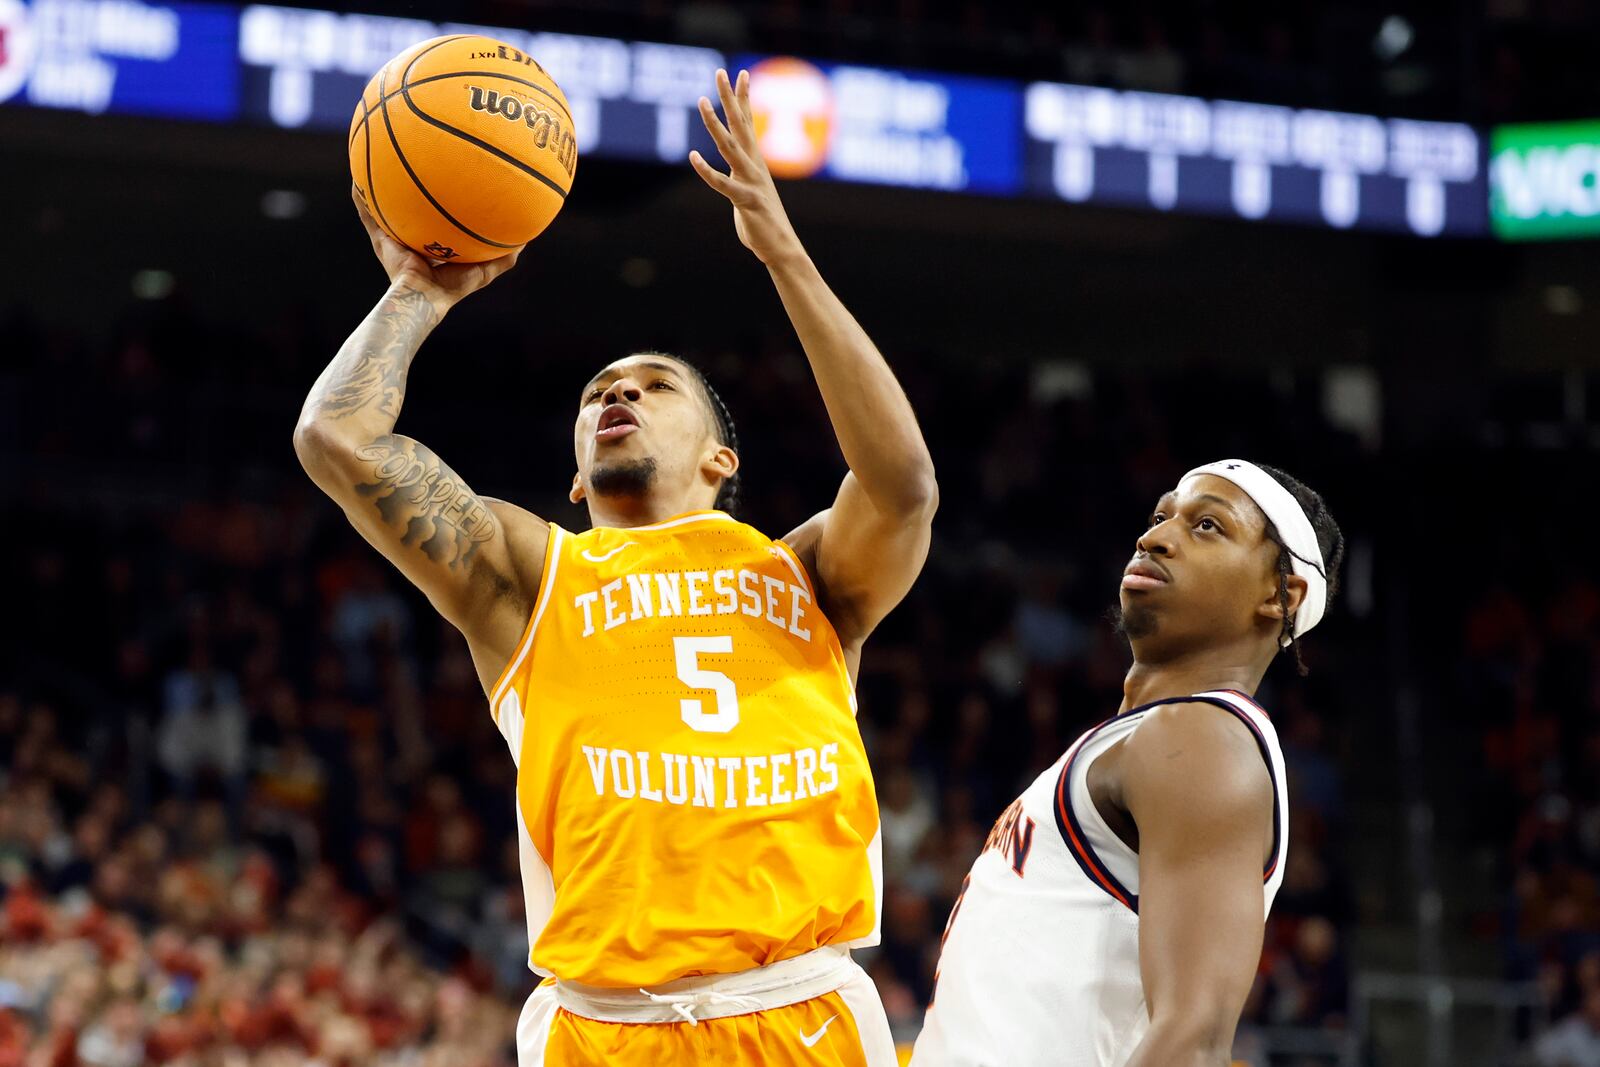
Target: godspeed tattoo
{"type": "Point", "coordinates": [416, 490]}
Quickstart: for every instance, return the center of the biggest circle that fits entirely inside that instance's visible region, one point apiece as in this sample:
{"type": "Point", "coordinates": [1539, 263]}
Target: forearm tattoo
{"type": "Point", "coordinates": [370, 370]}
{"type": "Point", "coordinates": [415, 491]}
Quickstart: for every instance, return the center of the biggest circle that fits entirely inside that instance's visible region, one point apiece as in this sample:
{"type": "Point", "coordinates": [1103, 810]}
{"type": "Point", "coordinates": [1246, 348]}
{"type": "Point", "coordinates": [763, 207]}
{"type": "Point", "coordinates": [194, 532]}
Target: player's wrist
{"type": "Point", "coordinates": [789, 256]}
{"type": "Point", "coordinates": [405, 289]}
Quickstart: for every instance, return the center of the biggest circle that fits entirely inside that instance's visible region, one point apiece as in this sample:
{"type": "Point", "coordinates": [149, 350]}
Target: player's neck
{"type": "Point", "coordinates": [1196, 672]}
{"type": "Point", "coordinates": [626, 512]}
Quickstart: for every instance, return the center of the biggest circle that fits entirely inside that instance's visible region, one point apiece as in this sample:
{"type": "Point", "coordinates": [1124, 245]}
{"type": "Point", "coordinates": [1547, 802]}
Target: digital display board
{"type": "Point", "coordinates": [300, 68]}
{"type": "Point", "coordinates": [165, 59]}
{"type": "Point", "coordinates": [1544, 180]}
{"type": "Point", "coordinates": [630, 99]}
{"type": "Point", "coordinates": [1254, 161]}
{"type": "Point", "coordinates": [886, 127]}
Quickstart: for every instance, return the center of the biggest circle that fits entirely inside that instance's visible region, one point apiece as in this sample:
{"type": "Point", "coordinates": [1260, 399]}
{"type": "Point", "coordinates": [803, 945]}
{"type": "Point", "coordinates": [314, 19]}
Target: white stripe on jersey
{"type": "Point", "coordinates": [1040, 963]}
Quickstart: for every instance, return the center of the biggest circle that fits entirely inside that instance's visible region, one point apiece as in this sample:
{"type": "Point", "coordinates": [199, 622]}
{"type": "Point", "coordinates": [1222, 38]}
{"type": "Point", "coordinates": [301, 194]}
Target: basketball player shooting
{"type": "Point", "coordinates": [1114, 917]}
{"type": "Point", "coordinates": [697, 822]}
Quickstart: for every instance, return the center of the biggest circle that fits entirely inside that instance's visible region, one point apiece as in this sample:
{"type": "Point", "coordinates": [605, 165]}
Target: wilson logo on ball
{"type": "Point", "coordinates": [548, 132]}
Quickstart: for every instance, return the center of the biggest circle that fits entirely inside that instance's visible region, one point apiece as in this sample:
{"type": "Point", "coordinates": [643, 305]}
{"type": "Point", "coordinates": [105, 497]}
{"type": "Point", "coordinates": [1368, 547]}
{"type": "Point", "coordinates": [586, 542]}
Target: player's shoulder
{"type": "Point", "coordinates": [803, 541]}
{"type": "Point", "coordinates": [1197, 719]}
{"type": "Point", "coordinates": [803, 538]}
{"type": "Point", "coordinates": [526, 538]}
{"type": "Point", "coordinates": [1195, 745]}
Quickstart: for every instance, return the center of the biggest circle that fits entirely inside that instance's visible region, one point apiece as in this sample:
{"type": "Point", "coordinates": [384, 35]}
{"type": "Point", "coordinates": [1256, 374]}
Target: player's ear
{"type": "Point", "coordinates": [1272, 608]}
{"type": "Point", "coordinates": [576, 496]}
{"type": "Point", "coordinates": [722, 462]}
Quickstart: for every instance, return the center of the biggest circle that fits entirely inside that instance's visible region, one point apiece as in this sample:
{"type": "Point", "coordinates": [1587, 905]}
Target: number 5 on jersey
{"type": "Point", "coordinates": [726, 717]}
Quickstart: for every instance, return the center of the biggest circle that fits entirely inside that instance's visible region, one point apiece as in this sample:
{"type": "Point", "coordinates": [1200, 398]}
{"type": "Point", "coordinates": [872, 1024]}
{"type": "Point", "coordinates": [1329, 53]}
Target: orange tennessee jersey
{"type": "Point", "coordinates": [693, 796]}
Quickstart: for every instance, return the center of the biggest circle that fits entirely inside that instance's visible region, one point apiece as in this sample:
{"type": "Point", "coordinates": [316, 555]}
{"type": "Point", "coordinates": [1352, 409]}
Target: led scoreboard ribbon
{"type": "Point", "coordinates": [300, 68]}
{"type": "Point", "coordinates": [163, 59]}
{"type": "Point", "coordinates": [630, 99]}
{"type": "Point", "coordinates": [1254, 161]}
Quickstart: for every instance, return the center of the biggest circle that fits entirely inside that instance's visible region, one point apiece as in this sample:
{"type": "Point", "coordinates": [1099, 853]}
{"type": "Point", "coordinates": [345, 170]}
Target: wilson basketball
{"type": "Point", "coordinates": [463, 148]}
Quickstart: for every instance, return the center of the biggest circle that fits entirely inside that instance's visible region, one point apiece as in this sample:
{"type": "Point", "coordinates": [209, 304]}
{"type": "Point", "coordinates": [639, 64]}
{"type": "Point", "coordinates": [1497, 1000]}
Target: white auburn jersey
{"type": "Point", "coordinates": [1040, 962]}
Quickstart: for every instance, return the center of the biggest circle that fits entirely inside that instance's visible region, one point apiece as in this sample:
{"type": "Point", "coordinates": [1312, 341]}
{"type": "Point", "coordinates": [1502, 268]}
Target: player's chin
{"type": "Point", "coordinates": [1137, 615]}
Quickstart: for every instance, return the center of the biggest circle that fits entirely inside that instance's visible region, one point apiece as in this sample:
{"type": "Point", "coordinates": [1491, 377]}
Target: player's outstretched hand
{"type": "Point", "coordinates": [445, 283]}
{"type": "Point", "coordinates": [758, 215]}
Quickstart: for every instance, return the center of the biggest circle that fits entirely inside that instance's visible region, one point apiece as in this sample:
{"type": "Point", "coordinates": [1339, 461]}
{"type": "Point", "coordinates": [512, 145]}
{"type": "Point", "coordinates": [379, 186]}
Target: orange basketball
{"type": "Point", "coordinates": [463, 148]}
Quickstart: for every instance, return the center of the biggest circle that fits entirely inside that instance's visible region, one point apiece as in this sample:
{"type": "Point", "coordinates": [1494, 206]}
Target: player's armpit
{"type": "Point", "coordinates": [1193, 778]}
{"type": "Point", "coordinates": [460, 549]}
{"type": "Point", "coordinates": [863, 560]}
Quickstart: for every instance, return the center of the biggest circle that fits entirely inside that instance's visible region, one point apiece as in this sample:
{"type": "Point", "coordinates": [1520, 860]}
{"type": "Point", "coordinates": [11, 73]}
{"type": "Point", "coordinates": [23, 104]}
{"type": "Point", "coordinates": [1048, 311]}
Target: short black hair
{"type": "Point", "coordinates": [1330, 540]}
{"type": "Point", "coordinates": [722, 421]}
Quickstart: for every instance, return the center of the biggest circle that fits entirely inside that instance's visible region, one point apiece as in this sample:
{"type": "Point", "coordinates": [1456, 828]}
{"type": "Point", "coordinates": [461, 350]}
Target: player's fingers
{"type": "Point", "coordinates": [733, 114]}
{"type": "Point", "coordinates": [487, 271]}
{"type": "Point", "coordinates": [361, 209]}
{"type": "Point", "coordinates": [742, 92]}
{"type": "Point", "coordinates": [731, 154]}
{"type": "Point", "coordinates": [375, 236]}
{"type": "Point", "coordinates": [506, 262]}
{"type": "Point", "coordinates": [712, 176]}
{"type": "Point", "coordinates": [491, 269]}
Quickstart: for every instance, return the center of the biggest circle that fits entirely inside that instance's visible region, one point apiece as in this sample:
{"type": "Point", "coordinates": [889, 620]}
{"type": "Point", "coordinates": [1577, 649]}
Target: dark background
{"type": "Point", "coordinates": [252, 808]}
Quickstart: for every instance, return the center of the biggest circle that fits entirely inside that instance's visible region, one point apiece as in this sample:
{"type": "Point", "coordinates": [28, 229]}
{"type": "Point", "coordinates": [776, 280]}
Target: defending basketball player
{"type": "Point", "coordinates": [697, 821]}
{"type": "Point", "coordinates": [1115, 915]}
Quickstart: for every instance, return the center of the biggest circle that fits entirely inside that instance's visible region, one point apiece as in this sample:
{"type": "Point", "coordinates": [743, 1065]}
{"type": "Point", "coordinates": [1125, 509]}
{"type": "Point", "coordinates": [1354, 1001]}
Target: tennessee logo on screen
{"type": "Point", "coordinates": [792, 103]}
{"type": "Point", "coordinates": [15, 47]}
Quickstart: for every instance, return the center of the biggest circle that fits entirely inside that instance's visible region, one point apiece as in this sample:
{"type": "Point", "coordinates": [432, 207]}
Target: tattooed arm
{"type": "Point", "coordinates": [478, 560]}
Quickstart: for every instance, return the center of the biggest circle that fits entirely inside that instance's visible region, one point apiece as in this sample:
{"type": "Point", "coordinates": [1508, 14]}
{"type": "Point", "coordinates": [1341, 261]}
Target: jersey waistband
{"type": "Point", "coordinates": [714, 996]}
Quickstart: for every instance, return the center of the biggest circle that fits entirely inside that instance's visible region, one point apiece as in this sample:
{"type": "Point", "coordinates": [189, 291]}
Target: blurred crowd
{"type": "Point", "coordinates": [1533, 691]}
{"type": "Point", "coordinates": [253, 810]}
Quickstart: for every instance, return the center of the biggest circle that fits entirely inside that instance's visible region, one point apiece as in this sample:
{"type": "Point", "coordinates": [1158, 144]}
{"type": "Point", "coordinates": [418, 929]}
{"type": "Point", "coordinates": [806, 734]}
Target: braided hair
{"type": "Point", "coordinates": [722, 421]}
{"type": "Point", "coordinates": [1330, 540]}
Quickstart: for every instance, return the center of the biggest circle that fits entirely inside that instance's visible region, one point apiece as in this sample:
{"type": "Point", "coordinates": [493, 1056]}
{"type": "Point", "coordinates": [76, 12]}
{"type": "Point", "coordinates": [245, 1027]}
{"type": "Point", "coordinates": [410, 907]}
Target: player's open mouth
{"type": "Point", "coordinates": [1142, 574]}
{"type": "Point", "coordinates": [616, 421]}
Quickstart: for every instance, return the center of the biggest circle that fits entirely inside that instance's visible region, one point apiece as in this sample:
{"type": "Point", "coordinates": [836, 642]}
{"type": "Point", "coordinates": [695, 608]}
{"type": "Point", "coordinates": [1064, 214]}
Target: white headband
{"type": "Point", "coordinates": [1293, 525]}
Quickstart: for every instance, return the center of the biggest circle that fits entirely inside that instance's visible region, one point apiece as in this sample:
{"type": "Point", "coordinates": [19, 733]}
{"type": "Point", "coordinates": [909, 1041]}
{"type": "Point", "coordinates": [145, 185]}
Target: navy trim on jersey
{"type": "Point", "coordinates": [1077, 841]}
{"type": "Point", "coordinates": [1248, 699]}
{"type": "Point", "coordinates": [1272, 774]}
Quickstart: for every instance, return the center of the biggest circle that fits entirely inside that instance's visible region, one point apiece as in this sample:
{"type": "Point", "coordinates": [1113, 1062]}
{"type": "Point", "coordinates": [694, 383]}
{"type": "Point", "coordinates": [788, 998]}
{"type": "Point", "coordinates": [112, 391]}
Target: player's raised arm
{"type": "Point", "coordinates": [867, 550]}
{"type": "Point", "coordinates": [1197, 787]}
{"type": "Point", "coordinates": [462, 550]}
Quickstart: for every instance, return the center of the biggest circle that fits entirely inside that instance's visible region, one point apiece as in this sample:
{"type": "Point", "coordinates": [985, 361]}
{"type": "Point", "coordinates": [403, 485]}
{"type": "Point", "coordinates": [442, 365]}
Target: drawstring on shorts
{"type": "Point", "coordinates": [700, 998]}
{"type": "Point", "coordinates": [686, 1004]}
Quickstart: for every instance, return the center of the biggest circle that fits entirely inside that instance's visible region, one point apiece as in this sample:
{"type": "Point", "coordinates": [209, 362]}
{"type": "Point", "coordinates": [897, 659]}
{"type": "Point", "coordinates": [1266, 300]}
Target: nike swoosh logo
{"type": "Point", "coordinates": [592, 558]}
{"type": "Point", "coordinates": [811, 1039]}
